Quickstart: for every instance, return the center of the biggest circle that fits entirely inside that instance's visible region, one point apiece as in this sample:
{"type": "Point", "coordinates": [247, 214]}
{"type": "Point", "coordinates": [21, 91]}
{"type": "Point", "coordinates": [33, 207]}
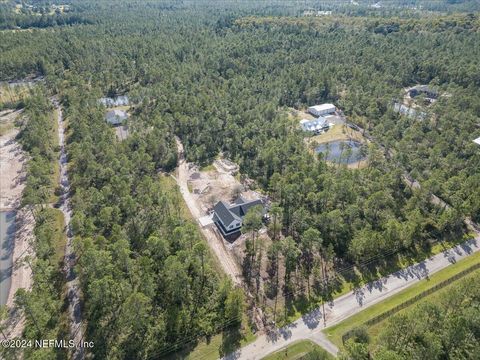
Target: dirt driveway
{"type": "Point", "coordinates": [214, 240]}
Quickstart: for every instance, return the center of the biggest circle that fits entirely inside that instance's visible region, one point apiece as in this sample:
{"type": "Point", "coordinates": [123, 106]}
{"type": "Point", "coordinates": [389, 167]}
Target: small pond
{"type": "Point", "coordinates": [7, 235]}
{"type": "Point", "coordinates": [337, 151]}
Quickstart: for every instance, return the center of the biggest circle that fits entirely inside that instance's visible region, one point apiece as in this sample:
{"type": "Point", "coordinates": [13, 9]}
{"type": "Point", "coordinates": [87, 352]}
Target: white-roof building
{"type": "Point", "coordinates": [477, 141]}
{"type": "Point", "coordinates": [315, 125]}
{"type": "Point", "coordinates": [117, 101]}
{"type": "Point", "coordinates": [408, 111]}
{"type": "Point", "coordinates": [116, 117]}
{"type": "Point", "coordinates": [323, 109]}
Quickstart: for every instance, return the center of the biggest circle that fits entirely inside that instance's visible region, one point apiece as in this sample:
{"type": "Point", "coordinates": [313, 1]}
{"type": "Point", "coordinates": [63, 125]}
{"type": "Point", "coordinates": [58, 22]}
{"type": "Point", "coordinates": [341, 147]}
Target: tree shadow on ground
{"type": "Point", "coordinates": [231, 338]}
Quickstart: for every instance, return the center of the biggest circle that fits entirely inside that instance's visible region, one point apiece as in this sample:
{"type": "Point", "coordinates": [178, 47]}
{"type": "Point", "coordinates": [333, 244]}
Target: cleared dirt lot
{"type": "Point", "coordinates": [12, 162]}
{"type": "Point", "coordinates": [216, 184]}
{"type": "Point", "coordinates": [215, 241]}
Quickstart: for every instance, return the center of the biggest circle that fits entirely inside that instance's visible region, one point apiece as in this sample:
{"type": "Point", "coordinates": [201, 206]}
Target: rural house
{"type": "Point", "coordinates": [423, 89]}
{"type": "Point", "coordinates": [315, 126]}
{"type": "Point", "coordinates": [324, 109]}
{"type": "Point", "coordinates": [116, 117]}
{"type": "Point", "coordinates": [229, 218]}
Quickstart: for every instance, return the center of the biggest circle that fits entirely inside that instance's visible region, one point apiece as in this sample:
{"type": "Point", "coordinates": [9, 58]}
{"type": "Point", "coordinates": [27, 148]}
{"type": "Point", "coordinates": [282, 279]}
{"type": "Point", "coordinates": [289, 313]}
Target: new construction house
{"type": "Point", "coordinates": [229, 217]}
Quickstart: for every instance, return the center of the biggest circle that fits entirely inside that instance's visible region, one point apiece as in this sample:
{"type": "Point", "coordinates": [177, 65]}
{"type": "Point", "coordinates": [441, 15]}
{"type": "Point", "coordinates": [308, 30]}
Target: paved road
{"type": "Point", "coordinates": [311, 325]}
{"type": "Point", "coordinates": [73, 286]}
{"type": "Point", "coordinates": [226, 260]}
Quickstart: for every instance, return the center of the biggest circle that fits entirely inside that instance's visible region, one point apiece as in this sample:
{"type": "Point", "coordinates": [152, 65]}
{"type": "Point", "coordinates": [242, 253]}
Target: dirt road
{"type": "Point", "coordinates": [225, 258]}
{"type": "Point", "coordinates": [310, 326]}
{"type": "Point", "coordinates": [73, 286]}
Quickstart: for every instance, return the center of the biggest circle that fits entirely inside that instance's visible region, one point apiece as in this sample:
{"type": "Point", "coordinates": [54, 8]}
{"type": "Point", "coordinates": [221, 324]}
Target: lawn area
{"type": "Point", "coordinates": [297, 115]}
{"type": "Point", "coordinates": [335, 333]}
{"type": "Point", "coordinates": [297, 350]}
{"type": "Point", "coordinates": [336, 132]}
{"type": "Point", "coordinates": [125, 108]}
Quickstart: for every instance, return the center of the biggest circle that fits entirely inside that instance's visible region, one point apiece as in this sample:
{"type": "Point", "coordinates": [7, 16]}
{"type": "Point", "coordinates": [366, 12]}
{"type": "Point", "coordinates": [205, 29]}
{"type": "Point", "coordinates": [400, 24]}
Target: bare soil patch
{"type": "Point", "coordinates": [210, 186]}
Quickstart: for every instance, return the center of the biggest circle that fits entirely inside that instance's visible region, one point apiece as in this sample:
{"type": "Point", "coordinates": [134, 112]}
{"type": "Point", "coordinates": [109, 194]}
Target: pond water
{"type": "Point", "coordinates": [336, 151]}
{"type": "Point", "coordinates": [7, 235]}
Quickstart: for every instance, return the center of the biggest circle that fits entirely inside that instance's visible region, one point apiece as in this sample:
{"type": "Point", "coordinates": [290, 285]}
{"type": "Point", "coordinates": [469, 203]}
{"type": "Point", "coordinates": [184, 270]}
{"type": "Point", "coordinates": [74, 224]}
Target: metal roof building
{"type": "Point", "coordinates": [323, 109]}
{"type": "Point", "coordinates": [117, 101]}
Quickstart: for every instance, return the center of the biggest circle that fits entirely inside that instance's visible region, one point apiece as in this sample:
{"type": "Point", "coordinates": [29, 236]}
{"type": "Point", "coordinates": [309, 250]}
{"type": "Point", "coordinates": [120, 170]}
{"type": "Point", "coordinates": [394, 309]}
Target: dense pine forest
{"type": "Point", "coordinates": [222, 77]}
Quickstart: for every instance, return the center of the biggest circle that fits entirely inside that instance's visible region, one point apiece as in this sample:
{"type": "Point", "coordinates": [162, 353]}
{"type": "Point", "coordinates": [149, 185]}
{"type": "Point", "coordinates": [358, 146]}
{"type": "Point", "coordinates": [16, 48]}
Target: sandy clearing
{"type": "Point", "coordinates": [12, 175]}
{"type": "Point", "coordinates": [12, 182]}
{"type": "Point", "coordinates": [21, 272]}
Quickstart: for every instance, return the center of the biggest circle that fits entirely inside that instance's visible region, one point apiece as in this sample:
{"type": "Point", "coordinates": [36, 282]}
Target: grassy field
{"type": "Point", "coordinates": [297, 350]}
{"type": "Point", "coordinates": [336, 132]}
{"type": "Point", "coordinates": [297, 115]}
{"type": "Point", "coordinates": [335, 333]}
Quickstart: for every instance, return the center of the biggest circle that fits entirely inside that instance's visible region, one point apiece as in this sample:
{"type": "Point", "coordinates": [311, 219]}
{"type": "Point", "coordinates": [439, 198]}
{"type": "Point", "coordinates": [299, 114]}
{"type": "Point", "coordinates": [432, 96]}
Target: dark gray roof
{"type": "Point", "coordinates": [240, 200]}
{"type": "Point", "coordinates": [223, 213]}
{"type": "Point", "coordinates": [242, 209]}
{"type": "Point", "coordinates": [424, 89]}
{"type": "Point", "coordinates": [227, 214]}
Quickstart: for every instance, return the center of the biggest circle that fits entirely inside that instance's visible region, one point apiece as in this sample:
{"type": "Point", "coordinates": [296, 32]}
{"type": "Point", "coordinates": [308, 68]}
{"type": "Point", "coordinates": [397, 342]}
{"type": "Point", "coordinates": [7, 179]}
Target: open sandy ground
{"type": "Point", "coordinates": [12, 182]}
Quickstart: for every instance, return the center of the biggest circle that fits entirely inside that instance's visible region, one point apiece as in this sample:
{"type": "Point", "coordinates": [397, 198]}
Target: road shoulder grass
{"type": "Point", "coordinates": [359, 277]}
{"type": "Point", "coordinates": [298, 350]}
{"type": "Point", "coordinates": [375, 330]}
{"type": "Point", "coordinates": [335, 332]}
{"type": "Point", "coordinates": [216, 346]}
